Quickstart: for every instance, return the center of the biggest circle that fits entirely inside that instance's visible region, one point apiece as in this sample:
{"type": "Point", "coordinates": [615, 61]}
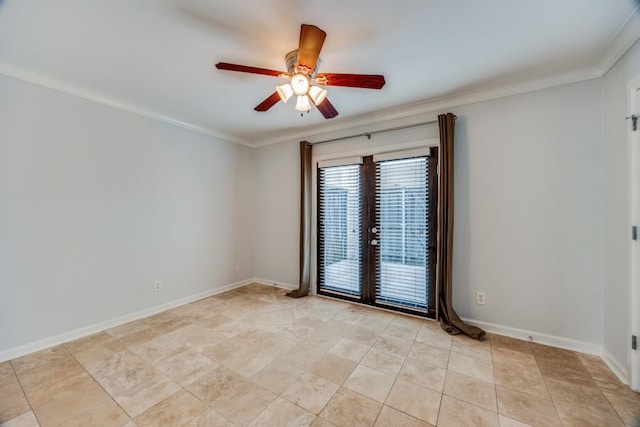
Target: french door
{"type": "Point", "coordinates": [377, 230]}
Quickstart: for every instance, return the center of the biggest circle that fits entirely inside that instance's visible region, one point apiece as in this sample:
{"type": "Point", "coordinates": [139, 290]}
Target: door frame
{"type": "Point", "coordinates": [356, 148]}
{"type": "Point", "coordinates": [633, 138]}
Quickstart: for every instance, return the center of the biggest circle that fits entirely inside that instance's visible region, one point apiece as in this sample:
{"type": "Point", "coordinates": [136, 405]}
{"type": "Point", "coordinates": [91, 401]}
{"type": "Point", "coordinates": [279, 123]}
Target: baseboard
{"type": "Point", "coordinates": [275, 283]}
{"type": "Point", "coordinates": [538, 337]}
{"type": "Point", "coordinates": [32, 347]}
{"type": "Point", "coordinates": [616, 367]}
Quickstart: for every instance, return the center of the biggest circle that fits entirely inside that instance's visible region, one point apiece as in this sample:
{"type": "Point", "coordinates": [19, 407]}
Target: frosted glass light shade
{"type": "Point", "coordinates": [303, 103]}
{"type": "Point", "coordinates": [300, 84]}
{"type": "Point", "coordinates": [317, 94]}
{"type": "Point", "coordinates": [285, 91]}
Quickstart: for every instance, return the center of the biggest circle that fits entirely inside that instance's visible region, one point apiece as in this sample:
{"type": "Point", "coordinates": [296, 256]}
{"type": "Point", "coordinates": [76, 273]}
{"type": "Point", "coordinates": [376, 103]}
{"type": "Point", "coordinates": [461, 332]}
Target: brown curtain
{"type": "Point", "coordinates": [447, 316]}
{"type": "Point", "coordinates": [305, 222]}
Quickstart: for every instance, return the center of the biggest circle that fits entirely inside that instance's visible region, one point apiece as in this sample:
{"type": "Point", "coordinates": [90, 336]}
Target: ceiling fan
{"type": "Point", "coordinates": [304, 80]}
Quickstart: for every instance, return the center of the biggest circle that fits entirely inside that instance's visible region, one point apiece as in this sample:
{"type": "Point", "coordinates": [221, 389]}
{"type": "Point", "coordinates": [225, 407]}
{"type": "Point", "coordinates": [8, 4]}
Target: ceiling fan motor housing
{"type": "Point", "coordinates": [291, 59]}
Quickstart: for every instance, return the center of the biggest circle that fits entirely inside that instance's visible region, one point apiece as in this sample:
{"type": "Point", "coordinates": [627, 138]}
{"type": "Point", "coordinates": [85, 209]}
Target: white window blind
{"type": "Point", "coordinates": [402, 250]}
{"type": "Point", "coordinates": [339, 227]}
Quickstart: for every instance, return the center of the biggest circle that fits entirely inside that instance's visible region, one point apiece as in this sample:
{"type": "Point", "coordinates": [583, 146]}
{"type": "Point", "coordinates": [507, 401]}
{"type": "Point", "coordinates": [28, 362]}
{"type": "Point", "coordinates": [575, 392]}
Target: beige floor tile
{"type": "Point", "coordinates": [122, 371]}
{"type": "Point", "coordinates": [424, 374]}
{"type": "Point", "coordinates": [277, 376]}
{"type": "Point", "coordinates": [350, 409]}
{"type": "Point", "coordinates": [363, 335]}
{"type": "Point", "coordinates": [382, 361]}
{"type": "Point", "coordinates": [471, 390]}
{"type": "Point", "coordinates": [427, 353]}
{"type": "Point", "coordinates": [471, 347]}
{"type": "Point", "coordinates": [283, 413]}
{"type": "Point", "coordinates": [255, 364]}
{"type": "Point", "coordinates": [407, 332]}
{"type": "Point", "coordinates": [8, 380]}
{"type": "Point", "coordinates": [107, 413]}
{"type": "Point", "coordinates": [574, 417]}
{"type": "Point", "coordinates": [336, 327]}
{"type": "Point", "coordinates": [143, 396]}
{"type": "Point", "coordinates": [233, 396]}
{"type": "Point", "coordinates": [28, 419]}
{"type": "Point", "coordinates": [455, 413]}
{"type": "Point", "coordinates": [578, 397]}
{"type": "Point", "coordinates": [158, 349]}
{"type": "Point", "coordinates": [394, 345]}
{"type": "Point", "coordinates": [478, 368]}
{"type": "Point", "coordinates": [527, 380]}
{"type": "Point", "coordinates": [370, 383]}
{"type": "Point", "coordinates": [209, 418]}
{"type": "Point", "coordinates": [218, 346]}
{"type": "Point", "coordinates": [436, 337]}
{"type": "Point", "coordinates": [627, 404]}
{"type": "Point", "coordinates": [51, 365]}
{"type": "Point", "coordinates": [88, 342]}
{"type": "Point", "coordinates": [175, 410]}
{"type": "Point", "coordinates": [415, 400]}
{"type": "Point", "coordinates": [508, 422]}
{"type": "Point", "coordinates": [302, 355]}
{"type": "Point", "coordinates": [230, 353]}
{"type": "Point", "coordinates": [42, 394]}
{"type": "Point", "coordinates": [570, 372]}
{"type": "Point", "coordinates": [513, 357]}
{"type": "Point", "coordinates": [310, 392]}
{"type": "Point", "coordinates": [526, 408]}
{"type": "Point", "coordinates": [321, 422]}
{"type": "Point", "coordinates": [333, 368]}
{"type": "Point", "coordinates": [196, 337]}
{"type": "Point", "coordinates": [348, 349]}
{"type": "Point", "coordinates": [390, 417]}
{"type": "Point", "coordinates": [128, 329]}
{"type": "Point", "coordinates": [13, 405]}
{"type": "Point", "coordinates": [513, 344]}
{"type": "Point", "coordinates": [322, 339]}
{"type": "Point", "coordinates": [186, 367]}
{"type": "Point", "coordinates": [80, 394]}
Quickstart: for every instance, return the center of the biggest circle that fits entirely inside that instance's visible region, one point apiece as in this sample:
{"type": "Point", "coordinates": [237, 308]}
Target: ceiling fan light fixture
{"type": "Point", "coordinates": [317, 94]}
{"type": "Point", "coordinates": [303, 103]}
{"type": "Point", "coordinates": [300, 84]}
{"type": "Point", "coordinates": [285, 91]}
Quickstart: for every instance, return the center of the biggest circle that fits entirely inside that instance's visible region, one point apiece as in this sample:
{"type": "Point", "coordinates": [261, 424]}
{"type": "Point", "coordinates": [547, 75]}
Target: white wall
{"type": "Point", "coordinates": [528, 209]}
{"type": "Point", "coordinates": [97, 203]}
{"type": "Point", "coordinates": [617, 206]}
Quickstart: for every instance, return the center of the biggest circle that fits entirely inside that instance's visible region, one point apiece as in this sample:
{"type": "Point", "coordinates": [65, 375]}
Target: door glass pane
{"type": "Point", "coordinates": [401, 212]}
{"type": "Point", "coordinates": [339, 225]}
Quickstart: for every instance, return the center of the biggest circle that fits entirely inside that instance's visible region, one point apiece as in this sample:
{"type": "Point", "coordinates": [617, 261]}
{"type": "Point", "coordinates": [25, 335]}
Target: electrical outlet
{"type": "Point", "coordinates": [480, 298]}
{"type": "Point", "coordinates": [157, 285]}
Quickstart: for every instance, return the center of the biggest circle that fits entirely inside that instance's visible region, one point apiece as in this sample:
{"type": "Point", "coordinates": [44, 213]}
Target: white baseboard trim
{"type": "Point", "coordinates": [64, 337]}
{"type": "Point", "coordinates": [538, 337]}
{"type": "Point", "coordinates": [275, 283]}
{"type": "Point", "coordinates": [616, 367]}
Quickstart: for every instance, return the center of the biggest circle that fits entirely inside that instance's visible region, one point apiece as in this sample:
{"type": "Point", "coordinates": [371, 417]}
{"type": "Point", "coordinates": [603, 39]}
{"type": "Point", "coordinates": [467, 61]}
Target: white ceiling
{"type": "Point", "coordinates": [156, 56]}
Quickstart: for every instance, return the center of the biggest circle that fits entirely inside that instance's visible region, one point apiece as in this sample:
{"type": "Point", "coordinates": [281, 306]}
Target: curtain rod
{"type": "Point", "coordinates": [375, 132]}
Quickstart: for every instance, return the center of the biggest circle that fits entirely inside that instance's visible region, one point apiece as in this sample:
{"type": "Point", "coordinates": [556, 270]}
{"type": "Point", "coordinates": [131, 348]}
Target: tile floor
{"type": "Point", "coordinates": [255, 357]}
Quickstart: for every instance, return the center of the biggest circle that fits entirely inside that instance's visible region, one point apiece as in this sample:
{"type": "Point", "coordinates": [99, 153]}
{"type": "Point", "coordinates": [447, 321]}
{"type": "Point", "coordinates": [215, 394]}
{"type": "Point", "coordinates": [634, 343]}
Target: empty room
{"type": "Point", "coordinates": [329, 213]}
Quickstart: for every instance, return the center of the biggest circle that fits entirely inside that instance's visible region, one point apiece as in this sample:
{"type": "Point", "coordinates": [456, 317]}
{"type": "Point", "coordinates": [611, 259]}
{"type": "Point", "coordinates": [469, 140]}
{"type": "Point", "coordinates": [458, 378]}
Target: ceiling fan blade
{"type": "Point", "coordinates": [327, 109]}
{"type": "Point", "coordinates": [365, 81]}
{"type": "Point", "coordinates": [311, 41]}
{"type": "Point", "coordinates": [269, 102]}
{"type": "Point", "coordinates": [252, 70]}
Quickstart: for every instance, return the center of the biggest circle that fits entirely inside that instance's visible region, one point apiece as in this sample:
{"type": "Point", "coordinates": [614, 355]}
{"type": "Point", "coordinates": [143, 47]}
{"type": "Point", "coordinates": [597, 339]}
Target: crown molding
{"type": "Point", "coordinates": [620, 43]}
{"type": "Point", "coordinates": [71, 88]}
{"type": "Point", "coordinates": [435, 105]}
